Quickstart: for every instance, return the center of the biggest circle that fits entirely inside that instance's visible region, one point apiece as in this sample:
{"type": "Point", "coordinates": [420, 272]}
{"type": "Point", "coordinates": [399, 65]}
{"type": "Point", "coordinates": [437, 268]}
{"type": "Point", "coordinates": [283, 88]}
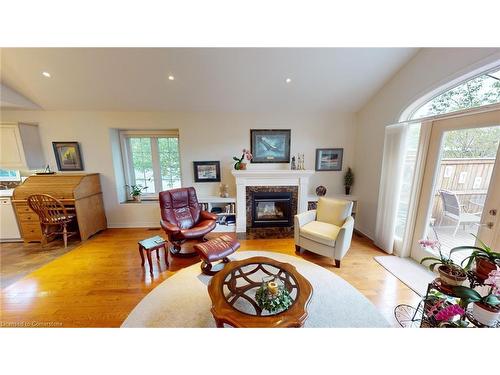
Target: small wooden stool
{"type": "Point", "coordinates": [149, 245]}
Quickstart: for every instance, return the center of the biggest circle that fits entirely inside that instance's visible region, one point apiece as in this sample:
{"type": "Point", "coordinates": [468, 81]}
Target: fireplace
{"type": "Point", "coordinates": [271, 209]}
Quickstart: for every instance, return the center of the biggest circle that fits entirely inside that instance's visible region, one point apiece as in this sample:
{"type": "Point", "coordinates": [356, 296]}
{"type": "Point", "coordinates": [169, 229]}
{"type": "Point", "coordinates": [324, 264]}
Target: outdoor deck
{"type": "Point", "coordinates": [462, 238]}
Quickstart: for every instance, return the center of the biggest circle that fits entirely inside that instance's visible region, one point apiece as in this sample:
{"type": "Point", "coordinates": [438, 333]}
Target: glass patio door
{"type": "Point", "coordinates": [460, 195]}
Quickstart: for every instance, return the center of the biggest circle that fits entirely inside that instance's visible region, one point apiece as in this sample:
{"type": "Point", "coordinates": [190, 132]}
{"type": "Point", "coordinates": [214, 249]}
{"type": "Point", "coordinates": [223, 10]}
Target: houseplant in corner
{"type": "Point", "coordinates": [449, 272]}
{"type": "Point", "coordinates": [485, 309]}
{"type": "Point", "coordinates": [486, 260]}
{"type": "Point", "coordinates": [348, 180]}
{"type": "Point", "coordinates": [240, 165]}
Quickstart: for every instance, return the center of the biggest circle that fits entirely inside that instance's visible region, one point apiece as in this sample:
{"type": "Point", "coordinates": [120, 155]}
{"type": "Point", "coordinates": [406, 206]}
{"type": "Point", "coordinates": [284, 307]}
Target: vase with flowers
{"type": "Point", "coordinates": [485, 309]}
{"type": "Point", "coordinates": [449, 272]}
{"type": "Point", "coordinates": [240, 164]}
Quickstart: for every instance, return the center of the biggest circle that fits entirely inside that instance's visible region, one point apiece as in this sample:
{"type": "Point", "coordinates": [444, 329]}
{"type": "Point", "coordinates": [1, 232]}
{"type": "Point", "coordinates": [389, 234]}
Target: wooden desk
{"type": "Point", "coordinates": [80, 193]}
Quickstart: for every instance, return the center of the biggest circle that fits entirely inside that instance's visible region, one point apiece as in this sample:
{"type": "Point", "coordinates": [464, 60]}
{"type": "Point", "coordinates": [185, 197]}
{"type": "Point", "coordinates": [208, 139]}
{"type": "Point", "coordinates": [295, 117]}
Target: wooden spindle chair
{"type": "Point", "coordinates": [52, 213]}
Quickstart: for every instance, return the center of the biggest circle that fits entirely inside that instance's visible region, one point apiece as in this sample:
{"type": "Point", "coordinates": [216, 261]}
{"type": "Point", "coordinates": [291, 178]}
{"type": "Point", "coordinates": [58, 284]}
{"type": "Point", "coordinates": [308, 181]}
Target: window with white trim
{"type": "Point", "coordinates": [151, 160]}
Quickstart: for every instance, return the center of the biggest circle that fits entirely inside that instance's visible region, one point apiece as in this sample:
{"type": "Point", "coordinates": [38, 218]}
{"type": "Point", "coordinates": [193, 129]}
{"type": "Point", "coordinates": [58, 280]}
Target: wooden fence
{"type": "Point", "coordinates": [468, 179]}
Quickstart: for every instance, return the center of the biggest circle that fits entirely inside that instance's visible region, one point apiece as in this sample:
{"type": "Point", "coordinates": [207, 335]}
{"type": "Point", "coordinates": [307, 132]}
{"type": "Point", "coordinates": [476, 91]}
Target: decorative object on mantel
{"type": "Point", "coordinates": [321, 191]}
{"type": "Point", "coordinates": [240, 165]}
{"type": "Point", "coordinates": [270, 145]}
{"type": "Point", "coordinates": [45, 171]}
{"type": "Point", "coordinates": [300, 163]}
{"type": "Point", "coordinates": [136, 191]}
{"type": "Point", "coordinates": [224, 190]}
{"type": "Point", "coordinates": [68, 156]}
{"type": "Point", "coordinates": [293, 165]}
{"type": "Point", "coordinates": [206, 171]}
{"type": "Point", "coordinates": [348, 181]}
{"type": "Point", "coordinates": [329, 159]}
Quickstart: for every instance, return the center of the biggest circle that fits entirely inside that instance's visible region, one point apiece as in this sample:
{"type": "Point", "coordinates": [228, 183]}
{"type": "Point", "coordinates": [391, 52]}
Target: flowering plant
{"type": "Point", "coordinates": [239, 161]}
{"type": "Point", "coordinates": [449, 312]}
{"type": "Point", "coordinates": [492, 298]}
{"type": "Point", "coordinates": [442, 260]}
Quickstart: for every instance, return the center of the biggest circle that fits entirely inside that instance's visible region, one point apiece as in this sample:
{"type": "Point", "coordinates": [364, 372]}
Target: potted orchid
{"type": "Point", "coordinates": [136, 191]}
{"type": "Point", "coordinates": [485, 259]}
{"type": "Point", "coordinates": [485, 309]}
{"type": "Point", "coordinates": [240, 165]}
{"type": "Point", "coordinates": [449, 272]}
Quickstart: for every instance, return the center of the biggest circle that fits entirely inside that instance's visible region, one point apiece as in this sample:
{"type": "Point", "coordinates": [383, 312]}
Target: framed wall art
{"type": "Point", "coordinates": [68, 156]}
{"type": "Point", "coordinates": [206, 171]}
{"type": "Point", "coordinates": [270, 145]}
{"type": "Point", "coordinates": [329, 159]}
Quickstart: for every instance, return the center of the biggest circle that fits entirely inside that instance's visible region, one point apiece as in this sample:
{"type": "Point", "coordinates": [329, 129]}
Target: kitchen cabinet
{"type": "Point", "coordinates": [20, 146]}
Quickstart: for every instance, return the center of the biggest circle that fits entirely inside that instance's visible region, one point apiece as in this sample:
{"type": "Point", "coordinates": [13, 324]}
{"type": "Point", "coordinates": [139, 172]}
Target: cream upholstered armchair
{"type": "Point", "coordinates": [327, 230]}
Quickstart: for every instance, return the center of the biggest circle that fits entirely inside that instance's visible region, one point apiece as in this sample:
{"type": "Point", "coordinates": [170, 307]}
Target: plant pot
{"type": "Point", "coordinates": [347, 190]}
{"type": "Point", "coordinates": [243, 166]}
{"type": "Point", "coordinates": [485, 314]}
{"type": "Point", "coordinates": [136, 198]}
{"type": "Point", "coordinates": [452, 276]}
{"type": "Point", "coordinates": [484, 267]}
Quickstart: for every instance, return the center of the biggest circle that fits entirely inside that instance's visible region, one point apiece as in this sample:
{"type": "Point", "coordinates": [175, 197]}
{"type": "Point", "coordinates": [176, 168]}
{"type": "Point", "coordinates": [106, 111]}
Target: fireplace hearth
{"type": "Point", "coordinates": [271, 209]}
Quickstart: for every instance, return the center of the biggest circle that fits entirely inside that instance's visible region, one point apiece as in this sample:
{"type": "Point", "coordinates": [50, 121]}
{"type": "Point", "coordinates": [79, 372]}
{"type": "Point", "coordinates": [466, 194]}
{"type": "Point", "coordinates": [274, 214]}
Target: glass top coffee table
{"type": "Point", "coordinates": [232, 291]}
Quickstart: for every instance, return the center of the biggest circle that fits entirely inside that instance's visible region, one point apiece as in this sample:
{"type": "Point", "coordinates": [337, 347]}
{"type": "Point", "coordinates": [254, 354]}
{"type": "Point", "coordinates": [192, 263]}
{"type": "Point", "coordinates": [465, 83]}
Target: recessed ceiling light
{"type": "Point", "coordinates": [46, 74]}
{"type": "Point", "coordinates": [171, 78]}
{"type": "Point", "coordinates": [288, 80]}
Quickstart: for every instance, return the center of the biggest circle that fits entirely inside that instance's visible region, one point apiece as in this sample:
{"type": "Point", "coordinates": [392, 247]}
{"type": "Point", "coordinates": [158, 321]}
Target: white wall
{"type": "Point", "coordinates": [427, 72]}
{"type": "Point", "coordinates": [203, 136]}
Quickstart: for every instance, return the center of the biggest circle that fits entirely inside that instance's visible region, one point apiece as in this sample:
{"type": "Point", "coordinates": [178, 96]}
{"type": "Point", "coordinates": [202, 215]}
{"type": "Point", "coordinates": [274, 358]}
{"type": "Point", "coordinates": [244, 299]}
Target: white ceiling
{"type": "Point", "coordinates": [206, 79]}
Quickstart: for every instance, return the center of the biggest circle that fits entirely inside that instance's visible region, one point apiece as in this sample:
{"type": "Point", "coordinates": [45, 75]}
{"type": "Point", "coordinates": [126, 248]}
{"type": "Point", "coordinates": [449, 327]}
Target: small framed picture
{"type": "Point", "coordinates": [270, 145]}
{"type": "Point", "coordinates": [206, 171]}
{"type": "Point", "coordinates": [68, 156]}
{"type": "Point", "coordinates": [329, 159]}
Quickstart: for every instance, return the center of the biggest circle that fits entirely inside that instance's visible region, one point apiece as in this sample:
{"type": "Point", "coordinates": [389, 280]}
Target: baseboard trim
{"type": "Point", "coordinates": [134, 225]}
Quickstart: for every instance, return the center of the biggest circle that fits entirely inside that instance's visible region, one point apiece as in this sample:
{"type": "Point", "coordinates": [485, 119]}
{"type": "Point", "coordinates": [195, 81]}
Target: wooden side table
{"type": "Point", "coordinates": [149, 245]}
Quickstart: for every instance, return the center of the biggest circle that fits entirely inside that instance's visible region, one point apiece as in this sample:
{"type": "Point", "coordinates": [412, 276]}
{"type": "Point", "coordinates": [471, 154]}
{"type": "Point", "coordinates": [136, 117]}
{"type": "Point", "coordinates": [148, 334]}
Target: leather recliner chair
{"type": "Point", "coordinates": [182, 218]}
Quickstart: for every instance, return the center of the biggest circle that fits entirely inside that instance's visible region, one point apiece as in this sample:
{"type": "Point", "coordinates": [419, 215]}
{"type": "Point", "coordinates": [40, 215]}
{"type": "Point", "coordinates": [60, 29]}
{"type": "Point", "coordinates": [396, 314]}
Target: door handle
{"type": "Point", "coordinates": [489, 224]}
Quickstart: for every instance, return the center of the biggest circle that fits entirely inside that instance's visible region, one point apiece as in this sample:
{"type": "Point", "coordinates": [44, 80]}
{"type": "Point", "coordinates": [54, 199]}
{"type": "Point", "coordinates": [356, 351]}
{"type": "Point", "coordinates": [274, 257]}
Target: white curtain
{"type": "Point", "coordinates": [390, 186]}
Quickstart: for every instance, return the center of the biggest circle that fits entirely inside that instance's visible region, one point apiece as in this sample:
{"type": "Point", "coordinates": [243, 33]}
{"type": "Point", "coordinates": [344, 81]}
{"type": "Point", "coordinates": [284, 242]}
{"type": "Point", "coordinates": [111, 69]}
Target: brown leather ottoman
{"type": "Point", "coordinates": [214, 250]}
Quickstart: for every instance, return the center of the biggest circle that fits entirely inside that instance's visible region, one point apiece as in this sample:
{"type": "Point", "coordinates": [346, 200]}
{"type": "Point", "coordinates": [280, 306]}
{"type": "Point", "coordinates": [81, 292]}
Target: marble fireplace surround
{"type": "Point", "coordinates": [271, 178]}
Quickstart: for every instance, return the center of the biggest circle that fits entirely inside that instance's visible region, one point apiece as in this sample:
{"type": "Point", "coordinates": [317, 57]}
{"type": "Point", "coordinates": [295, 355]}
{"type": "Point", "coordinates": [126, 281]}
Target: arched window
{"type": "Point", "coordinates": [475, 92]}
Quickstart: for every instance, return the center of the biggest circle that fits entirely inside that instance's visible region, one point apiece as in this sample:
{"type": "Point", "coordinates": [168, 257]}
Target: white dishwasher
{"type": "Point", "coordinates": [9, 230]}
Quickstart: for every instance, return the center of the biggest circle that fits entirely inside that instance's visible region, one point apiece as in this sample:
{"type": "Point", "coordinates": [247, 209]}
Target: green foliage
{"type": "Point", "coordinates": [472, 143]}
{"type": "Point", "coordinates": [349, 177]}
{"type": "Point", "coordinates": [136, 190]}
{"type": "Point", "coordinates": [478, 252]}
{"type": "Point", "coordinates": [469, 295]}
{"type": "Point", "coordinates": [280, 302]}
{"type": "Point", "coordinates": [479, 91]}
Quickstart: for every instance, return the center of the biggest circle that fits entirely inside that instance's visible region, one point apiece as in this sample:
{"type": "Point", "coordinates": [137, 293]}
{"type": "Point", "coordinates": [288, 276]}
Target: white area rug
{"type": "Point", "coordinates": [182, 300]}
{"type": "Point", "coordinates": [413, 274]}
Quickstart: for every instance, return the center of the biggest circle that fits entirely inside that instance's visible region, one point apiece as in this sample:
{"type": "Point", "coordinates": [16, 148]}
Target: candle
{"type": "Point", "coordinates": [272, 286]}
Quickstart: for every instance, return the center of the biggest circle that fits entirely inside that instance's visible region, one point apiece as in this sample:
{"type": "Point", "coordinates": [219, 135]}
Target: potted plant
{"type": "Point", "coordinates": [240, 165]}
{"type": "Point", "coordinates": [449, 272]}
{"type": "Point", "coordinates": [348, 181]}
{"type": "Point", "coordinates": [486, 260]}
{"type": "Point", "coordinates": [136, 191]}
{"type": "Point", "coordinates": [485, 309]}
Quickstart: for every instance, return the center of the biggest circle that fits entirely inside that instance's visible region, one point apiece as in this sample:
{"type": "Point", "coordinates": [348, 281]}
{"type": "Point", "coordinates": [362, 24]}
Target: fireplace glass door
{"type": "Point", "coordinates": [271, 209]}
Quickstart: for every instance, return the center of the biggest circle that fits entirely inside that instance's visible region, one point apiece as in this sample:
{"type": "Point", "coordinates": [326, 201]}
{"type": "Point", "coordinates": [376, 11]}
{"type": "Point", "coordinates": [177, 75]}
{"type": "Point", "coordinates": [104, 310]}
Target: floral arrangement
{"type": "Point", "coordinates": [273, 301]}
{"type": "Point", "coordinates": [246, 154]}
{"type": "Point", "coordinates": [493, 280]}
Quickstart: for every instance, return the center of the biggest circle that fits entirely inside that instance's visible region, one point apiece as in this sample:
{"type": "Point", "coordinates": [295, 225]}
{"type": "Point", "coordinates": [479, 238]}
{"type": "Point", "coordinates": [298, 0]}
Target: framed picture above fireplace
{"type": "Point", "coordinates": [206, 171]}
{"type": "Point", "coordinates": [270, 145]}
{"type": "Point", "coordinates": [329, 159]}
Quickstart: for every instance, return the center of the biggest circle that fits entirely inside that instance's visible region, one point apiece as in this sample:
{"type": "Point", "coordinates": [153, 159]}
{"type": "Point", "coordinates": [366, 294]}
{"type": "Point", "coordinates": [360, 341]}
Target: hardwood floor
{"type": "Point", "coordinates": [98, 283]}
